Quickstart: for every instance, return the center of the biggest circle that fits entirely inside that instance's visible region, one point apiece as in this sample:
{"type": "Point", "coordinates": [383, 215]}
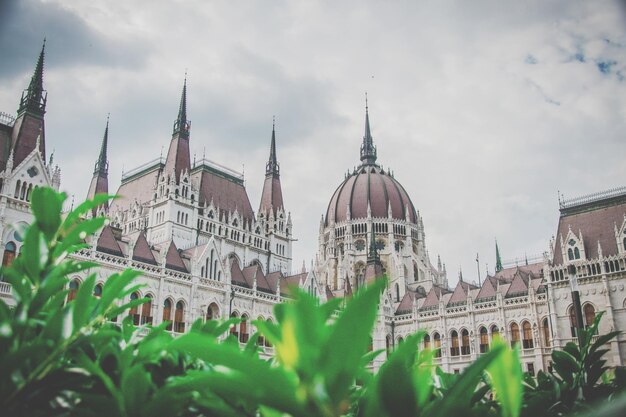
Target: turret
{"type": "Point", "coordinates": [178, 159]}
{"type": "Point", "coordinates": [272, 195]}
{"type": "Point", "coordinates": [100, 182]}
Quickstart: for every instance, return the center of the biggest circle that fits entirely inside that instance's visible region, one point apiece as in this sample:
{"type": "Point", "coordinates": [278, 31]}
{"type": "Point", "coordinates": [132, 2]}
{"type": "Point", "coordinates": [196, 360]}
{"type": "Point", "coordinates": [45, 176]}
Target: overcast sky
{"type": "Point", "coordinates": [483, 109]}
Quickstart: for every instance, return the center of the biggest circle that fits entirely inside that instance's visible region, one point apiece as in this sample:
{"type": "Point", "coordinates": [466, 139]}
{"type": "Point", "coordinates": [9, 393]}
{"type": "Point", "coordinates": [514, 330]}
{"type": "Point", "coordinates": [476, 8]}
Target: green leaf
{"type": "Point", "coordinates": [47, 205]}
{"type": "Point", "coordinates": [136, 385]}
{"type": "Point", "coordinates": [83, 303]}
{"type": "Point", "coordinates": [565, 365]}
{"type": "Point", "coordinates": [505, 376]}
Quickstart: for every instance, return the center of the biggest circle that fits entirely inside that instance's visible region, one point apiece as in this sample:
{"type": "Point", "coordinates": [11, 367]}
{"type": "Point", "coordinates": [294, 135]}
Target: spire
{"type": "Point", "coordinates": [272, 194]}
{"type": "Point", "coordinates": [272, 167]}
{"type": "Point", "coordinates": [34, 97]}
{"type": "Point", "coordinates": [182, 125]}
{"type": "Point", "coordinates": [498, 260]}
{"type": "Point", "coordinates": [100, 180]}
{"type": "Point", "coordinates": [178, 158]}
{"type": "Point", "coordinates": [368, 150]}
{"type": "Point", "coordinates": [102, 164]}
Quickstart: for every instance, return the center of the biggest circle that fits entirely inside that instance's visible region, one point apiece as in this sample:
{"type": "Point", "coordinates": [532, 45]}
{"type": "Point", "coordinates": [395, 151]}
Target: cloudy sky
{"type": "Point", "coordinates": [483, 109]}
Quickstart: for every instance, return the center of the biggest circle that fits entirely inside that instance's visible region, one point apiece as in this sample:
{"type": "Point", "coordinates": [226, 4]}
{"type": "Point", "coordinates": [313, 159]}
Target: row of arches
{"type": "Point", "coordinates": [241, 331]}
{"type": "Point", "coordinates": [23, 190]}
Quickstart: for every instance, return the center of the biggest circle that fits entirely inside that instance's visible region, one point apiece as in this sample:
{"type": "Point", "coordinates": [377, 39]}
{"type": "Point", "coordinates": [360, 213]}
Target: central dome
{"type": "Point", "coordinates": [369, 186]}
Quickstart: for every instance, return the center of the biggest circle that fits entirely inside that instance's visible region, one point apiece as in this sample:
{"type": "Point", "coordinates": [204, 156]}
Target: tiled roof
{"type": "Point", "coordinates": [460, 292]}
{"type": "Point", "coordinates": [519, 284]}
{"type": "Point", "coordinates": [107, 243]}
{"type": "Point", "coordinates": [142, 251]}
{"type": "Point", "coordinates": [236, 275]}
{"type": "Point", "coordinates": [173, 260]}
{"type": "Point", "coordinates": [406, 305]}
{"type": "Point", "coordinates": [225, 193]}
{"type": "Point", "coordinates": [272, 195]}
{"type": "Point", "coordinates": [140, 189]}
{"type": "Point", "coordinates": [329, 293]}
{"type": "Point", "coordinates": [432, 298]}
{"type": "Point", "coordinates": [596, 225]}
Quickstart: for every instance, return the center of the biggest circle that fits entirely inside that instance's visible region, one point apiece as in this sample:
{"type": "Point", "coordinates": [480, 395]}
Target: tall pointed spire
{"type": "Point", "coordinates": [182, 125]}
{"type": "Point", "coordinates": [368, 150]}
{"type": "Point", "coordinates": [272, 167]}
{"type": "Point", "coordinates": [102, 164]}
{"type": "Point", "coordinates": [100, 180]}
{"type": "Point", "coordinates": [178, 157]}
{"type": "Point", "coordinates": [272, 195]}
{"type": "Point", "coordinates": [34, 97]}
{"type": "Point", "coordinates": [372, 255]}
{"type": "Point", "coordinates": [498, 260]}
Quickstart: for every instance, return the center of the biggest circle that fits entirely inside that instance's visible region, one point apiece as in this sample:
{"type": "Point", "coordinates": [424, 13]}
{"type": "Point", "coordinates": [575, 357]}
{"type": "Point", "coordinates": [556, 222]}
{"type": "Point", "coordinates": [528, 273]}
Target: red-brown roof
{"type": "Point", "coordinates": [406, 305]}
{"type": "Point", "coordinates": [173, 259]}
{"type": "Point", "coordinates": [370, 185]}
{"type": "Point", "coordinates": [107, 242]}
{"type": "Point", "coordinates": [226, 193]}
{"type": "Point", "coordinates": [236, 275]}
{"type": "Point", "coordinates": [432, 298]}
{"type": "Point", "coordinates": [178, 159]}
{"type": "Point", "coordinates": [24, 138]}
{"type": "Point", "coordinates": [596, 223]}
{"type": "Point", "coordinates": [142, 251]}
{"type": "Point", "coordinates": [272, 195]}
{"type": "Point", "coordinates": [460, 292]}
{"type": "Point", "coordinates": [138, 188]}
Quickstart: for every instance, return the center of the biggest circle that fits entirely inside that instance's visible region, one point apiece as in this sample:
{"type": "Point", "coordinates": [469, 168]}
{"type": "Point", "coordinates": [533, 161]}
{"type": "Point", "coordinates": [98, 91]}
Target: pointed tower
{"type": "Point", "coordinates": [100, 180]}
{"type": "Point", "coordinates": [498, 260]}
{"type": "Point", "coordinates": [368, 150]}
{"type": "Point", "coordinates": [178, 159]}
{"type": "Point", "coordinates": [272, 195]}
{"type": "Point", "coordinates": [374, 268]}
{"type": "Point", "coordinates": [29, 124]}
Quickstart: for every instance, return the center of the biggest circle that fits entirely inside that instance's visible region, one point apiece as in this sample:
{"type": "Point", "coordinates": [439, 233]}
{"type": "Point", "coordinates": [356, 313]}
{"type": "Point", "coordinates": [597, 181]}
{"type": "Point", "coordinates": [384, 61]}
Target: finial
{"type": "Point", "coordinates": [366, 106]}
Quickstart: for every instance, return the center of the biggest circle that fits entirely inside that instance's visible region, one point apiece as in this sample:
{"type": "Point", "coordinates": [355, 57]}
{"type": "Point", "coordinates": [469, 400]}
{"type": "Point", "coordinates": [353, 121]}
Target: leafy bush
{"type": "Point", "coordinates": [64, 357]}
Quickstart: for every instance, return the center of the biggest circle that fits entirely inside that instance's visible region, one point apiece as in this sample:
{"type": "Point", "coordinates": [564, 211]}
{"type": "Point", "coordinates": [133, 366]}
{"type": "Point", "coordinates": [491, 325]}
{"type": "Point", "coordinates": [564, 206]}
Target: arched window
{"type": "Point", "coordinates": [576, 253]}
{"type": "Point", "coordinates": [179, 318]}
{"type": "Point", "coordinates": [397, 292]}
{"type": "Point", "coordinates": [427, 341]}
{"type": "Point", "coordinates": [146, 311]}
{"type": "Point", "coordinates": [97, 291]}
{"type": "Point", "coordinates": [243, 329]}
{"type": "Point", "coordinates": [514, 334]}
{"type": "Point", "coordinates": [212, 312]}
{"type": "Point", "coordinates": [495, 332]}
{"type": "Point", "coordinates": [267, 342]}
{"type": "Point", "coordinates": [570, 254]}
{"type": "Point", "coordinates": [465, 342]}
{"type": "Point", "coordinates": [234, 329]}
{"type": "Point", "coordinates": [167, 313]}
{"type": "Point", "coordinates": [400, 340]}
{"type": "Point", "coordinates": [527, 333]}
{"type": "Point", "coordinates": [134, 311]}
{"type": "Point", "coordinates": [9, 254]}
{"type": "Point", "coordinates": [74, 284]}
{"type": "Point", "coordinates": [388, 344]}
{"type": "Point", "coordinates": [416, 273]}
{"type": "Point", "coordinates": [437, 344]}
{"type": "Point", "coordinates": [261, 339]}
{"type": "Point", "coordinates": [546, 332]}
{"type": "Point", "coordinates": [573, 323]}
{"type": "Point", "coordinates": [454, 343]}
{"type": "Point", "coordinates": [590, 314]}
{"type": "Point", "coordinates": [484, 340]}
{"type": "Point", "coordinates": [17, 189]}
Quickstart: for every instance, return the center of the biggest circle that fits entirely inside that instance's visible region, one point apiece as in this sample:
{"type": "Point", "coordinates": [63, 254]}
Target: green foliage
{"type": "Point", "coordinates": [64, 357]}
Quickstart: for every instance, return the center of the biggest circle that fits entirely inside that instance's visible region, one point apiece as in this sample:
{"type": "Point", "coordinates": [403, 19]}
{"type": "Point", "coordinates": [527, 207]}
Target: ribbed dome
{"type": "Point", "coordinates": [370, 184]}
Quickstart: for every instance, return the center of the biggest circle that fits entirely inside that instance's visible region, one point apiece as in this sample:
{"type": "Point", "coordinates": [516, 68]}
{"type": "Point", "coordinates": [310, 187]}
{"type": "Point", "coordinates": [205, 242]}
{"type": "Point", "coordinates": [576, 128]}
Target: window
{"type": "Point", "coordinates": [427, 341]}
{"type": "Point", "coordinates": [397, 292]}
{"type": "Point", "coordinates": [590, 315]}
{"type": "Point", "coordinates": [179, 318]}
{"type": "Point", "coordinates": [388, 344]}
{"type": "Point", "coordinates": [74, 284]}
{"type": "Point", "coordinates": [546, 332]}
{"type": "Point", "coordinates": [572, 321]}
{"type": "Point", "coordinates": [267, 342]}
{"type": "Point", "coordinates": [530, 367]}
{"type": "Point", "coordinates": [146, 311]}
{"type": "Point", "coordinates": [134, 312]}
{"type": "Point", "coordinates": [243, 329]}
{"type": "Point", "coordinates": [576, 253]}
{"type": "Point", "coordinates": [360, 245]}
{"type": "Point", "coordinates": [233, 328]}
{"type": "Point", "coordinates": [97, 291]}
{"type": "Point", "coordinates": [400, 340]}
{"type": "Point", "coordinates": [514, 334]}
{"type": "Point", "coordinates": [167, 313]}
{"type": "Point", "coordinates": [454, 343]}
{"type": "Point", "coordinates": [570, 254]}
{"type": "Point", "coordinates": [495, 332]}
{"type": "Point", "coordinates": [9, 254]}
{"type": "Point", "coordinates": [527, 332]}
{"type": "Point", "coordinates": [484, 340]}
{"type": "Point", "coordinates": [437, 344]}
{"type": "Point", "coordinates": [465, 343]}
{"type": "Point", "coordinates": [212, 312]}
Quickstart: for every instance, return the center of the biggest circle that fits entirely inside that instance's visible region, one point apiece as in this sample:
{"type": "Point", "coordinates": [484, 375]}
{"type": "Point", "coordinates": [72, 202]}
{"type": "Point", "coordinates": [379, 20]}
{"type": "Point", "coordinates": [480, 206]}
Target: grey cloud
{"type": "Point", "coordinates": [70, 41]}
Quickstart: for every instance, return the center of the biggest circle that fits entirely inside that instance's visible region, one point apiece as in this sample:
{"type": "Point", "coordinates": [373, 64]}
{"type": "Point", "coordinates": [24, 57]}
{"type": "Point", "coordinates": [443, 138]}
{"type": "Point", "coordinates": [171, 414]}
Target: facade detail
{"type": "Point", "coordinates": [205, 253]}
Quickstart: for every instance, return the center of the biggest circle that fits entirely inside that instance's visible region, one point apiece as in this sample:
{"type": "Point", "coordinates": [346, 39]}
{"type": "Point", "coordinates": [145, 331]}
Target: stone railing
{"type": "Point", "coordinates": [5, 288]}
